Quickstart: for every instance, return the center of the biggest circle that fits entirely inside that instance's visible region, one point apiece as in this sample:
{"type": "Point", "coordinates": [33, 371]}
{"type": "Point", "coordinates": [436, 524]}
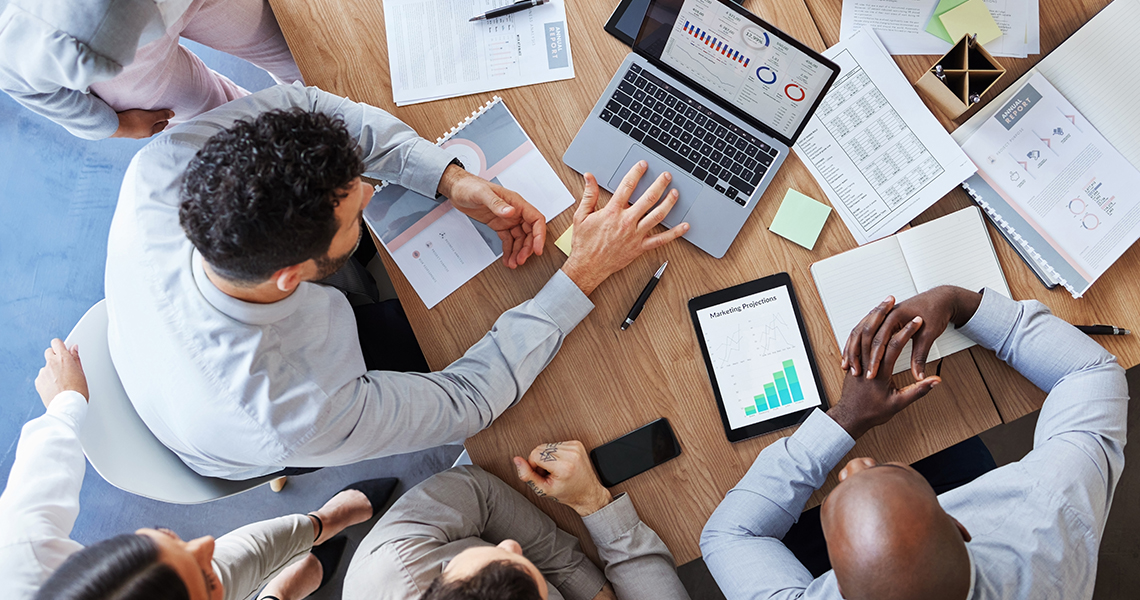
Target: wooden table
{"type": "Point", "coordinates": [603, 382]}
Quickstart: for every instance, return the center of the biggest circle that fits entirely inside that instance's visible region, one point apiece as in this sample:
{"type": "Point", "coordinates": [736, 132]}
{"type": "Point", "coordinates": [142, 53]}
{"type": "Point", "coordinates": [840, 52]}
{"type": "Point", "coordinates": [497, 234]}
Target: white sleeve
{"type": "Point", "coordinates": [41, 501]}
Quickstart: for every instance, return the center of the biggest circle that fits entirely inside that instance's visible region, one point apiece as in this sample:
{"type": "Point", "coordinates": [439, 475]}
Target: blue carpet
{"type": "Point", "coordinates": [57, 197]}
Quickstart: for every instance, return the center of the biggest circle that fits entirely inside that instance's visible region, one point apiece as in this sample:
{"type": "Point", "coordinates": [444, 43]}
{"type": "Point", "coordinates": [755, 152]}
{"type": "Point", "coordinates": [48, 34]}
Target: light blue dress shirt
{"type": "Point", "coordinates": [1036, 524]}
{"type": "Point", "coordinates": [239, 390]}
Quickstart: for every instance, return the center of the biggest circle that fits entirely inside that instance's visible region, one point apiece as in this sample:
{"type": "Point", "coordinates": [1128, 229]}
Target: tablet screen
{"type": "Point", "coordinates": [759, 360]}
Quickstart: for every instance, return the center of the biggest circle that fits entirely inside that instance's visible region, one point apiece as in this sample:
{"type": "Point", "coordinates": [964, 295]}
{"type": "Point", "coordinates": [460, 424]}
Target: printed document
{"type": "Point", "coordinates": [876, 150]}
{"type": "Point", "coordinates": [439, 248]}
{"type": "Point", "coordinates": [902, 25]}
{"type": "Point", "coordinates": [1062, 177]}
{"type": "Point", "coordinates": [434, 52]}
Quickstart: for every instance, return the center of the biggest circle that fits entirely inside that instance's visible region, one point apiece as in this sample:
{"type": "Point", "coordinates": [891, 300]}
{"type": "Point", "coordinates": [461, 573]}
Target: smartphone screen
{"type": "Point", "coordinates": [635, 452]}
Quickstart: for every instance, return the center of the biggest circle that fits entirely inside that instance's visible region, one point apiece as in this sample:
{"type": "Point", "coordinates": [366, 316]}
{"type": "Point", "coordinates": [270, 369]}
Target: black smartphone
{"type": "Point", "coordinates": [635, 452]}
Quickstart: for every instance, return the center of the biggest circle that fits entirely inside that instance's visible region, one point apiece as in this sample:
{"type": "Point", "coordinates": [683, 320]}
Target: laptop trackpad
{"type": "Point", "coordinates": [687, 187]}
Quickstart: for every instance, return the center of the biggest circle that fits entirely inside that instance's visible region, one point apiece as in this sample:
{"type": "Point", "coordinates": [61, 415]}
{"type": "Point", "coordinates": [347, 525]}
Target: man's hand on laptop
{"type": "Point", "coordinates": [520, 226]}
{"type": "Point", "coordinates": [609, 238]}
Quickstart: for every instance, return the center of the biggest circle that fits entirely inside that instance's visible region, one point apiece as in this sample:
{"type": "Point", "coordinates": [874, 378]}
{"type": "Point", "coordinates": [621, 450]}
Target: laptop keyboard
{"type": "Point", "coordinates": [689, 134]}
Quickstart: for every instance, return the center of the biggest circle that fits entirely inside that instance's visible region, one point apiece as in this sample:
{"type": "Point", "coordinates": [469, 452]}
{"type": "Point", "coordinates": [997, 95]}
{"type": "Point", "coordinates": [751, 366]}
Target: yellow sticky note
{"type": "Point", "coordinates": [564, 240]}
{"type": "Point", "coordinates": [800, 218]}
{"type": "Point", "coordinates": [935, 25]}
{"type": "Point", "coordinates": [969, 18]}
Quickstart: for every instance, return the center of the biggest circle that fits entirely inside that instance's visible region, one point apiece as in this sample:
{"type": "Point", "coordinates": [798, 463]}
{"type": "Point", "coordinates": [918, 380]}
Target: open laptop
{"type": "Point", "coordinates": [714, 95]}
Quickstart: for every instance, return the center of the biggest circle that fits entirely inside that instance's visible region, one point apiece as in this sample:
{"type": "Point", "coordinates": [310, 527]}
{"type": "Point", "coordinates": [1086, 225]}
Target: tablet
{"type": "Point", "coordinates": [758, 356]}
{"type": "Point", "coordinates": [626, 20]}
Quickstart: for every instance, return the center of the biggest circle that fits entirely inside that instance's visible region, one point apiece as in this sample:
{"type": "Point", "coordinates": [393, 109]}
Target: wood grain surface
{"type": "Point", "coordinates": [604, 382]}
{"type": "Point", "coordinates": [1114, 299]}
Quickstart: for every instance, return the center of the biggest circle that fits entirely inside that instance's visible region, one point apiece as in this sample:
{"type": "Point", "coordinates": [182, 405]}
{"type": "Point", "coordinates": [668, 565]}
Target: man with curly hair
{"type": "Point", "coordinates": [242, 364]}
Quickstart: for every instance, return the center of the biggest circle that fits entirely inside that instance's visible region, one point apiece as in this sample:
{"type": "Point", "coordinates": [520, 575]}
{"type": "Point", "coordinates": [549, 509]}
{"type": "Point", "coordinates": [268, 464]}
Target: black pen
{"type": "Point", "coordinates": [1103, 330]}
{"type": "Point", "coordinates": [503, 11]}
{"type": "Point", "coordinates": [640, 304]}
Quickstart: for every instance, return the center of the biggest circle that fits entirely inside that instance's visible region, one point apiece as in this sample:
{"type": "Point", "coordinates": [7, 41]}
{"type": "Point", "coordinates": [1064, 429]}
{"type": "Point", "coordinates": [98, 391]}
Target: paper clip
{"type": "Point", "coordinates": [975, 98]}
{"type": "Point", "coordinates": [938, 72]}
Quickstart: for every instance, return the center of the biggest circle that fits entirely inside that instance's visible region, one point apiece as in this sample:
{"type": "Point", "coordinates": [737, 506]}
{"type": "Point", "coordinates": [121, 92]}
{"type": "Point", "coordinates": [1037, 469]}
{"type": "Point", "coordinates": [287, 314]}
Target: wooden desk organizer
{"type": "Point", "coordinates": [969, 70]}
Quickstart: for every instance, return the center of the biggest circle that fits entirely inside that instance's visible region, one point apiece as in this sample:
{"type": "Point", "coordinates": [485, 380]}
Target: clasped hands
{"type": "Point", "coordinates": [870, 396]}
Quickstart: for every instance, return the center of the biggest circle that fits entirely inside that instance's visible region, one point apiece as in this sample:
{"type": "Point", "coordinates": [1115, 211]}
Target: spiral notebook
{"type": "Point", "coordinates": [439, 248]}
{"type": "Point", "coordinates": [1095, 218]}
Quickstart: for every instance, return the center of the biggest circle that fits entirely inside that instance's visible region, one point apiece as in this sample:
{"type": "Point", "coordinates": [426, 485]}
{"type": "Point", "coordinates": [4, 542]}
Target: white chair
{"type": "Point", "coordinates": [117, 442]}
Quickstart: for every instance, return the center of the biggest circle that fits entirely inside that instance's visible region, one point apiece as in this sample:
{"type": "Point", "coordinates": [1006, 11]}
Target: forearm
{"type": "Point", "coordinates": [403, 412]}
{"type": "Point", "coordinates": [746, 529]}
{"type": "Point", "coordinates": [84, 115]}
{"type": "Point", "coordinates": [41, 500]}
{"type": "Point", "coordinates": [1087, 388]}
{"type": "Point", "coordinates": [392, 150]}
{"type": "Point", "coordinates": [637, 563]}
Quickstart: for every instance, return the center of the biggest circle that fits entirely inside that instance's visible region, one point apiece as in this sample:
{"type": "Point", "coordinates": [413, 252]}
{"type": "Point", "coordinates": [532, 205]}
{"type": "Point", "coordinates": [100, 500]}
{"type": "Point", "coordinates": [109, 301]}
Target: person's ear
{"type": "Point", "coordinates": [961, 529]}
{"type": "Point", "coordinates": [202, 549]}
{"type": "Point", "coordinates": [289, 278]}
{"type": "Point", "coordinates": [511, 546]}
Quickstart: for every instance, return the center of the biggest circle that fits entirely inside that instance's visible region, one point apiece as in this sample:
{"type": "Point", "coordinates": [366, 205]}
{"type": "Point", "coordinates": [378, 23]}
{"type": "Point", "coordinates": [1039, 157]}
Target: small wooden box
{"type": "Point", "coordinates": [969, 71]}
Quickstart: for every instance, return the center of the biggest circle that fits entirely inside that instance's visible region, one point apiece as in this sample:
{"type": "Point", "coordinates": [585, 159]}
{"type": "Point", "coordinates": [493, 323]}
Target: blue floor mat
{"type": "Point", "coordinates": [57, 197]}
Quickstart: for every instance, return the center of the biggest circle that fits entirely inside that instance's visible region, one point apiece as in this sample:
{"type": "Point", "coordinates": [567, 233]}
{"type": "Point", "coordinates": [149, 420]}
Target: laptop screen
{"type": "Point", "coordinates": [726, 50]}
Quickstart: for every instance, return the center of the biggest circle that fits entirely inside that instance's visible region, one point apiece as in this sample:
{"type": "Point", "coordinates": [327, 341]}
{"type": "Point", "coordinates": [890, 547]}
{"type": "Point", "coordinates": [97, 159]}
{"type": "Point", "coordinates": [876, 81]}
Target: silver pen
{"type": "Point", "coordinates": [503, 11]}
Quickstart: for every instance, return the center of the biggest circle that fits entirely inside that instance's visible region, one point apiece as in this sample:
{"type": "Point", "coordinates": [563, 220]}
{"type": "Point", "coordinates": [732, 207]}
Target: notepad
{"type": "Point", "coordinates": [565, 242]}
{"type": "Point", "coordinates": [800, 219]}
{"type": "Point", "coordinates": [952, 250]}
{"type": "Point", "coordinates": [935, 26]}
{"type": "Point", "coordinates": [971, 17]}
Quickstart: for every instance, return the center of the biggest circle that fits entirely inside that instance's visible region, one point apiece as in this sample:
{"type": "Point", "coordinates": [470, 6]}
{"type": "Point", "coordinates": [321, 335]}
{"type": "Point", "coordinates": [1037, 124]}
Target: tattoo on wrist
{"type": "Point", "coordinates": [548, 453]}
{"type": "Point", "coordinates": [541, 494]}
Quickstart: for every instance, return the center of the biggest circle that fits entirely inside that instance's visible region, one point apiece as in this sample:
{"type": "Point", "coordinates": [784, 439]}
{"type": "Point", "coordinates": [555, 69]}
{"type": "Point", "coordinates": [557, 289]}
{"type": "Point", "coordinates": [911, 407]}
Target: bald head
{"type": "Point", "coordinates": [889, 539]}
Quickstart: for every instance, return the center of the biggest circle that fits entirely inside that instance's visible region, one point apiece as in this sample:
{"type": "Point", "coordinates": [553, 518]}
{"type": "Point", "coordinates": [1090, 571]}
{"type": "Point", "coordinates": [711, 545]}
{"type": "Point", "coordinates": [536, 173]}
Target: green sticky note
{"type": "Point", "coordinates": [935, 25]}
{"type": "Point", "coordinates": [800, 219]}
{"type": "Point", "coordinates": [971, 17]}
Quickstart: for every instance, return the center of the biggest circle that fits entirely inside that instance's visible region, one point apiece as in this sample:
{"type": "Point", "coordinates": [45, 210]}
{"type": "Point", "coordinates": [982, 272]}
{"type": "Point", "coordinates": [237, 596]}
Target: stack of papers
{"type": "Point", "coordinates": [434, 52]}
{"type": "Point", "coordinates": [918, 26]}
{"type": "Point", "coordinates": [880, 156]}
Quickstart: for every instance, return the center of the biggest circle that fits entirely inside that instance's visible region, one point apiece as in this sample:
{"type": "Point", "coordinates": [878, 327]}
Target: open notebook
{"type": "Point", "coordinates": [952, 250]}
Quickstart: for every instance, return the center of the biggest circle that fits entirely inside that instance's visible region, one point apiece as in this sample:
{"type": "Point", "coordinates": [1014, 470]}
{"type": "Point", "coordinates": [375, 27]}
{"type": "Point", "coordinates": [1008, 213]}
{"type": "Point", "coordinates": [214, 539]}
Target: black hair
{"type": "Point", "coordinates": [499, 580]}
{"type": "Point", "coordinates": [125, 567]}
{"type": "Point", "coordinates": [261, 195]}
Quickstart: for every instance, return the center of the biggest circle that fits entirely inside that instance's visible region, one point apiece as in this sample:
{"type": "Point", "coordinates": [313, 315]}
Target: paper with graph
{"type": "Point", "coordinates": [434, 52]}
{"type": "Point", "coordinates": [1049, 165]}
{"type": "Point", "coordinates": [439, 248]}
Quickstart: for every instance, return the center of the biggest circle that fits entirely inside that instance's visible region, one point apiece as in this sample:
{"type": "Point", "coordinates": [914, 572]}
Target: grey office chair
{"type": "Point", "coordinates": [117, 442]}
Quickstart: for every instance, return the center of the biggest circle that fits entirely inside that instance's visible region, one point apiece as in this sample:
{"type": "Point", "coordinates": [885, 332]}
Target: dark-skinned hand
{"type": "Point", "coordinates": [866, 346]}
{"type": "Point", "coordinates": [870, 402]}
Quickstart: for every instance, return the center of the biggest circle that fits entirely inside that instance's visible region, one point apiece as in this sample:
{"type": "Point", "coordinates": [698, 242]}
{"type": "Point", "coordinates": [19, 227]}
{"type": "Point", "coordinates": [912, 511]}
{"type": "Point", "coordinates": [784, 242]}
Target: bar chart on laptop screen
{"type": "Point", "coordinates": [760, 363]}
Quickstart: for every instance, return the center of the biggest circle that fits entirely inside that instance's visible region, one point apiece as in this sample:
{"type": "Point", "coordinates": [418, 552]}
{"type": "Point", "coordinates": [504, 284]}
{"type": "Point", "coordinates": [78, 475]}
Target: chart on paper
{"type": "Point", "coordinates": [759, 361]}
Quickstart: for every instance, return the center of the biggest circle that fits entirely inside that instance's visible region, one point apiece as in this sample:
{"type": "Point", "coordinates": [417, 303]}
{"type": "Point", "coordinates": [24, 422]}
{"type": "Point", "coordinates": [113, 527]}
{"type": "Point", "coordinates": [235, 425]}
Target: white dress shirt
{"type": "Point", "coordinates": [239, 390]}
{"type": "Point", "coordinates": [41, 502]}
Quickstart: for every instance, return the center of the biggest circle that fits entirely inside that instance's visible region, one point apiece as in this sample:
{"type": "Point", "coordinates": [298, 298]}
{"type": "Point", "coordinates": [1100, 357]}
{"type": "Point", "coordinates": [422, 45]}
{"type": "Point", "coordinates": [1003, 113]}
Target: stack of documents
{"type": "Point", "coordinates": [434, 52]}
{"type": "Point", "coordinates": [880, 156]}
{"type": "Point", "coordinates": [915, 26]}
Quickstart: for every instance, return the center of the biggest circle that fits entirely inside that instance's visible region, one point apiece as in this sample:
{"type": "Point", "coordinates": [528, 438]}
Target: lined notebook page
{"type": "Point", "coordinates": [853, 283]}
{"type": "Point", "coordinates": [953, 250]}
{"type": "Point", "coordinates": [1096, 70]}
